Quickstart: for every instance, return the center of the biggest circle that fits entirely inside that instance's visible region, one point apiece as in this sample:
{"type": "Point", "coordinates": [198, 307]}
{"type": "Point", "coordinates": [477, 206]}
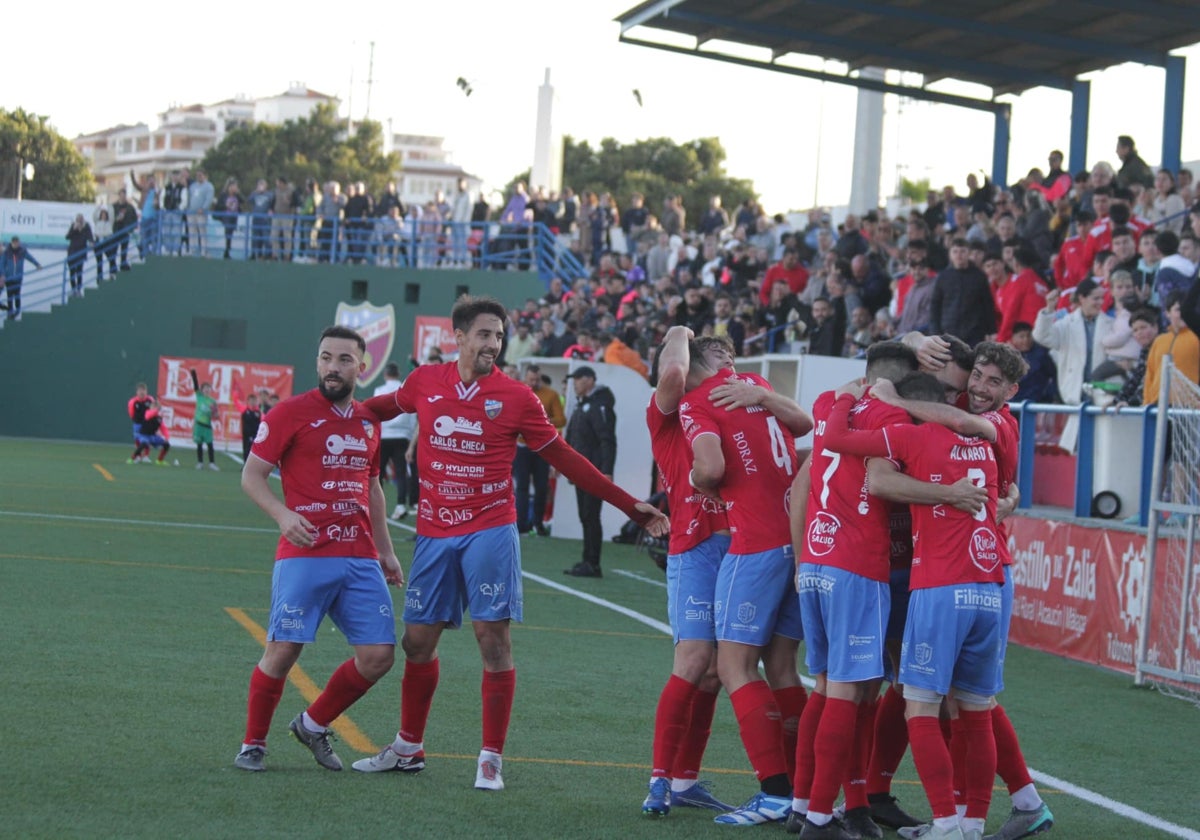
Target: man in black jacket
{"type": "Point", "coordinates": [592, 432]}
{"type": "Point", "coordinates": [962, 303]}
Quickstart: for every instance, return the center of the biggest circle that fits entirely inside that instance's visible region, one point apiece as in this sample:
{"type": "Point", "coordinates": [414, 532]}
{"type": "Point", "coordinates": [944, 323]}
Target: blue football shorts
{"type": "Point", "coordinates": [692, 587]}
{"type": "Point", "coordinates": [350, 590]}
{"type": "Point", "coordinates": [844, 619]}
{"type": "Point", "coordinates": [756, 598]}
{"type": "Point", "coordinates": [953, 639]}
{"type": "Point", "coordinates": [480, 572]}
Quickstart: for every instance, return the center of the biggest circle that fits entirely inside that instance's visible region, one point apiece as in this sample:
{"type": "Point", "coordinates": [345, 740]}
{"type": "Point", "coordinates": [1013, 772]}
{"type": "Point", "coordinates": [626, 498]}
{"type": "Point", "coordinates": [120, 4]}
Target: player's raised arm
{"type": "Point", "coordinates": [673, 361]}
{"type": "Point", "coordinates": [737, 394]}
{"type": "Point", "coordinates": [839, 437]}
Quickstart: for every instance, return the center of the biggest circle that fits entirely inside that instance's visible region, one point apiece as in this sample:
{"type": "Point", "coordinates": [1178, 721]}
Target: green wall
{"type": "Point", "coordinates": [68, 375]}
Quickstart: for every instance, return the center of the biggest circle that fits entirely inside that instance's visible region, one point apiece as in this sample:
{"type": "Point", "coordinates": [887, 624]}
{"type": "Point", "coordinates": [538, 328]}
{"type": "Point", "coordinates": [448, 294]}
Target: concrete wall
{"type": "Point", "coordinates": [68, 374]}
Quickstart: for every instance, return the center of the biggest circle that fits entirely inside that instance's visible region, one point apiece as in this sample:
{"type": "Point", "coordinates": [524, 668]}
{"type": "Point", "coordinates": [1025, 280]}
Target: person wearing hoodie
{"type": "Point", "coordinates": [614, 351]}
{"type": "Point", "coordinates": [592, 432]}
{"type": "Point", "coordinates": [12, 269]}
{"type": "Point", "coordinates": [1175, 271]}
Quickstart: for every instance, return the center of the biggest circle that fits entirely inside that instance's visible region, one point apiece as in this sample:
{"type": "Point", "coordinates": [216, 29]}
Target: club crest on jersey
{"type": "Point", "coordinates": [922, 653]}
{"type": "Point", "coordinates": [377, 326]}
{"type": "Point", "coordinates": [746, 612]}
{"type": "Point", "coordinates": [369, 428]}
{"type": "Point", "coordinates": [492, 408]}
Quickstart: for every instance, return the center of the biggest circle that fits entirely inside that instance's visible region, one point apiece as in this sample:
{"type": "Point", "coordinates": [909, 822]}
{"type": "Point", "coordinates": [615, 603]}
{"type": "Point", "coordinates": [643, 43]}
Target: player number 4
{"type": "Point", "coordinates": [779, 448]}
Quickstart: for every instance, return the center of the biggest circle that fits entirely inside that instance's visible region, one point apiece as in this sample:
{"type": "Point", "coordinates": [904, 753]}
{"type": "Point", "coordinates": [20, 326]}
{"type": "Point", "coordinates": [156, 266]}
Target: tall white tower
{"type": "Point", "coordinates": [547, 143]}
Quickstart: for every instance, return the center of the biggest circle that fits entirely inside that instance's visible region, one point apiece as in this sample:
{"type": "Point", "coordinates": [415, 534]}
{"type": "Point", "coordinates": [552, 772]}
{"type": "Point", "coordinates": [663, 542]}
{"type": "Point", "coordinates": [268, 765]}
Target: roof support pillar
{"type": "Point", "coordinates": [1173, 113]}
{"type": "Point", "coordinates": [1000, 140]}
{"type": "Point", "coordinates": [1081, 98]}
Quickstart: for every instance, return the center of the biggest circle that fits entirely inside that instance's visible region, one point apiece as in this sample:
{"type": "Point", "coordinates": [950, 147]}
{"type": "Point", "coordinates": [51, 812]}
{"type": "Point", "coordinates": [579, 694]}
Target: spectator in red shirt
{"type": "Point", "coordinates": [1021, 298]}
{"type": "Point", "coordinates": [789, 269]}
{"type": "Point", "coordinates": [1071, 264]}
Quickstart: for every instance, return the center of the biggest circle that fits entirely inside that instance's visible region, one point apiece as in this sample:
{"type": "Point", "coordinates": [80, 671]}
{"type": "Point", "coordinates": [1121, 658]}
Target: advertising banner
{"type": "Point", "coordinates": [231, 382]}
{"type": "Point", "coordinates": [433, 331]}
{"type": "Point", "coordinates": [1079, 593]}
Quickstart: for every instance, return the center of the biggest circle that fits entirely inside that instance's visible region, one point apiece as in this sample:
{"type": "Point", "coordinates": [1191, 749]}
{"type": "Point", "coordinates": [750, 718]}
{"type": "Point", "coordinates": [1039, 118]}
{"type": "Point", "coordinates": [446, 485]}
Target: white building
{"type": "Point", "coordinates": [426, 167]}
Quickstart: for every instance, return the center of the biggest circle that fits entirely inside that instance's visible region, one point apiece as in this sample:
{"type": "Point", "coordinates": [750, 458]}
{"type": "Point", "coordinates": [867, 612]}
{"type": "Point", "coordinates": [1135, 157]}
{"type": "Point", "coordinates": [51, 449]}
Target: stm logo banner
{"type": "Point", "coordinates": [377, 326]}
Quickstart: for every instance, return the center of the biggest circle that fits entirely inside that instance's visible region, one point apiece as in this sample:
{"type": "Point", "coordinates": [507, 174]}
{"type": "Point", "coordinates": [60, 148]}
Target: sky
{"type": "Point", "coordinates": [792, 137]}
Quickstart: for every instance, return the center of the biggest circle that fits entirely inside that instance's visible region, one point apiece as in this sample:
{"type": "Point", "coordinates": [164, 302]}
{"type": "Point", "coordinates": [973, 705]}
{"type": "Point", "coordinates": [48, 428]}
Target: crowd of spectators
{"type": "Point", "coordinates": [1022, 264]}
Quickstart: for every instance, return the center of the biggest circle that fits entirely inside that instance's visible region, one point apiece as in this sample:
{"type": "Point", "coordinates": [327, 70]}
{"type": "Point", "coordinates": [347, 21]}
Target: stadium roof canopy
{"type": "Point", "coordinates": [1009, 46]}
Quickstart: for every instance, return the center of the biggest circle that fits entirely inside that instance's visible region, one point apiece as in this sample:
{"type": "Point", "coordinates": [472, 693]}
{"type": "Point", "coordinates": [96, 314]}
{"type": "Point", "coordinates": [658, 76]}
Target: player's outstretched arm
{"type": "Point", "coordinates": [384, 406]}
{"type": "Point", "coordinates": [589, 479]}
{"type": "Point", "coordinates": [295, 528]}
{"type": "Point", "coordinates": [392, 572]}
{"type": "Point", "coordinates": [841, 438]}
{"type": "Point", "coordinates": [885, 481]}
{"type": "Point", "coordinates": [950, 416]}
{"type": "Point", "coordinates": [798, 511]}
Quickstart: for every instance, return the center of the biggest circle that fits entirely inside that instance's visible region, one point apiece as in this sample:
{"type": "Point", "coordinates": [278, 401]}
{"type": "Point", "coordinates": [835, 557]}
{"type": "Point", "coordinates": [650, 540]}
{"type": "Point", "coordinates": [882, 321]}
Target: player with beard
{"type": "Point", "coordinates": [469, 416]}
{"type": "Point", "coordinates": [994, 379]}
{"type": "Point", "coordinates": [743, 447]}
{"type": "Point", "coordinates": [843, 540]}
{"type": "Point", "coordinates": [699, 540]}
{"type": "Point", "coordinates": [334, 555]}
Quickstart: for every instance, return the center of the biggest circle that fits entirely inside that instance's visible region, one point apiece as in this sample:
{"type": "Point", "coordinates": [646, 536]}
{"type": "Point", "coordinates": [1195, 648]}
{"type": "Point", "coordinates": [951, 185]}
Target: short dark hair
{"type": "Point", "coordinates": [534, 368]}
{"type": "Point", "coordinates": [1119, 213]}
{"type": "Point", "coordinates": [959, 242]}
{"type": "Point", "coordinates": [1147, 314]}
{"type": "Point", "coordinates": [1121, 231]}
{"type": "Point", "coordinates": [1167, 242]}
{"type": "Point", "coordinates": [960, 353]}
{"type": "Point", "coordinates": [1103, 189]}
{"type": "Point", "coordinates": [1085, 288]}
{"type": "Point", "coordinates": [391, 369]}
{"type": "Point", "coordinates": [1027, 255]}
{"type": "Point", "coordinates": [890, 360]}
{"type": "Point", "coordinates": [921, 386]}
{"type": "Point", "coordinates": [1004, 356]}
{"type": "Point", "coordinates": [1021, 327]}
{"type": "Point", "coordinates": [468, 308]}
{"type": "Point", "coordinates": [338, 331]}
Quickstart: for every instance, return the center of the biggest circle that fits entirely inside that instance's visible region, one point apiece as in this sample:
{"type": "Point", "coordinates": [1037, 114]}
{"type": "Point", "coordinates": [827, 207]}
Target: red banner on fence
{"type": "Point", "coordinates": [231, 382]}
{"type": "Point", "coordinates": [433, 331]}
{"type": "Point", "coordinates": [1079, 593]}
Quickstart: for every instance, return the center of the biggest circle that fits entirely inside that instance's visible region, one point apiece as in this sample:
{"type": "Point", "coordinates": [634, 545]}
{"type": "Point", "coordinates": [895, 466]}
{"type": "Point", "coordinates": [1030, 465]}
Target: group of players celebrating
{"type": "Point", "coordinates": [904, 490]}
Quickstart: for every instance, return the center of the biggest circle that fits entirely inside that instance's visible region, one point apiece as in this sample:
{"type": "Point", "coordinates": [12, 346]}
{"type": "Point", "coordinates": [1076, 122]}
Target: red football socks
{"type": "Point", "coordinates": [855, 781]}
{"type": "Point", "coordinates": [670, 723]}
{"type": "Point", "coordinates": [416, 694]}
{"type": "Point", "coordinates": [806, 735]}
{"type": "Point", "coordinates": [758, 723]}
{"type": "Point", "coordinates": [497, 689]}
{"type": "Point", "coordinates": [690, 752]}
{"type": "Point", "coordinates": [958, 757]}
{"type": "Point", "coordinates": [890, 743]}
{"type": "Point", "coordinates": [260, 707]}
{"type": "Point", "coordinates": [1010, 761]}
{"type": "Point", "coordinates": [980, 771]}
{"type": "Point", "coordinates": [344, 687]}
{"type": "Point", "coordinates": [832, 748]}
{"type": "Point", "coordinates": [932, 758]}
{"type": "Point", "coordinates": [791, 702]}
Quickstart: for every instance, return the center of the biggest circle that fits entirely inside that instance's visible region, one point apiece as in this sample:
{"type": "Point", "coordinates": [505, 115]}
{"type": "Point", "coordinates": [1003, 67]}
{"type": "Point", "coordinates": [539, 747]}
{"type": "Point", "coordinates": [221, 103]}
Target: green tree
{"type": "Point", "coordinates": [61, 172]}
{"type": "Point", "coordinates": [916, 191]}
{"type": "Point", "coordinates": [655, 167]}
{"type": "Point", "coordinates": [315, 146]}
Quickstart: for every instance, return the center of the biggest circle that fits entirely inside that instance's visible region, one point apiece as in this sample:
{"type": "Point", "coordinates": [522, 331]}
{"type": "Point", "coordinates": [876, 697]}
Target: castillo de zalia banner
{"type": "Point", "coordinates": [1079, 593]}
{"type": "Point", "coordinates": [231, 382]}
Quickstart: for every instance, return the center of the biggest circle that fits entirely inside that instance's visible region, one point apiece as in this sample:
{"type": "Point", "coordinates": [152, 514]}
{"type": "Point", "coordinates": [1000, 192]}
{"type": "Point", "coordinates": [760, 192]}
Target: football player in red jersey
{"type": "Point", "coordinates": [744, 453]}
{"type": "Point", "coordinates": [334, 555]}
{"type": "Point", "coordinates": [699, 541]}
{"type": "Point", "coordinates": [469, 416]}
{"type": "Point", "coordinates": [952, 637]}
{"type": "Point", "coordinates": [994, 379]}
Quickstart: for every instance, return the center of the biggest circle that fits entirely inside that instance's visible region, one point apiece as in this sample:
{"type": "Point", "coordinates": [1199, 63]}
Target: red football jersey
{"type": "Point", "coordinates": [694, 516]}
{"type": "Point", "coordinates": [467, 441]}
{"type": "Point", "coordinates": [1007, 453]}
{"type": "Point", "coordinates": [327, 459]}
{"type": "Point", "coordinates": [760, 463]}
{"type": "Point", "coordinates": [949, 546]}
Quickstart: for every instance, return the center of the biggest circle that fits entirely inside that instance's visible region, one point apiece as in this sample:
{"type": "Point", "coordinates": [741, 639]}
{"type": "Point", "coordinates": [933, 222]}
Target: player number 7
{"type": "Point", "coordinates": [835, 458]}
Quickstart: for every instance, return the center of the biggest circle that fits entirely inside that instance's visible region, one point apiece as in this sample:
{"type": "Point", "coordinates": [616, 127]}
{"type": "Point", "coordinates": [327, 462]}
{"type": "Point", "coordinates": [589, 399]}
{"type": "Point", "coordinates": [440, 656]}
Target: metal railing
{"type": "Point", "coordinates": [385, 242]}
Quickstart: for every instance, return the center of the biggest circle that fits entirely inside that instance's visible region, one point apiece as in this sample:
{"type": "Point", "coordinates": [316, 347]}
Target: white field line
{"type": "Point", "coordinates": [639, 576]}
{"type": "Point", "coordinates": [1112, 805]}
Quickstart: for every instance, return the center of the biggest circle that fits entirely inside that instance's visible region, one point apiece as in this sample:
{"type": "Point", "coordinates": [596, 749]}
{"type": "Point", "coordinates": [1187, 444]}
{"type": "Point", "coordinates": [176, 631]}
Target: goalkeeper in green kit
{"type": "Point", "coordinates": [202, 422]}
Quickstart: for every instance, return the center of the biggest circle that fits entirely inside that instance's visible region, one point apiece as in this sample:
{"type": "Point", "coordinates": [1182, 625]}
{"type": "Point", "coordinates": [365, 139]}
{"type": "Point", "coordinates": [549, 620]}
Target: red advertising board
{"type": "Point", "coordinates": [433, 331]}
{"type": "Point", "coordinates": [231, 382]}
{"type": "Point", "coordinates": [1079, 593]}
